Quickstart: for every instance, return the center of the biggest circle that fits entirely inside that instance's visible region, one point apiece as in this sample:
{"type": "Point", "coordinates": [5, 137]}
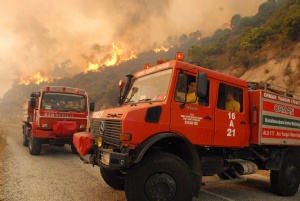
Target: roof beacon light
{"type": "Point", "coordinates": [47, 88]}
{"type": "Point", "coordinates": [64, 89]}
{"type": "Point", "coordinates": [121, 84]}
{"type": "Point", "coordinates": [179, 56]}
{"type": "Point", "coordinates": [77, 90]}
{"type": "Point", "coordinates": [147, 66]}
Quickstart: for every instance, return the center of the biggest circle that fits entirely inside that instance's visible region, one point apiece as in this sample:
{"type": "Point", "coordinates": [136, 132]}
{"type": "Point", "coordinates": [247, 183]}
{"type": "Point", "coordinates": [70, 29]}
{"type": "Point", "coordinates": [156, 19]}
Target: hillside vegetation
{"type": "Point", "coordinates": [260, 47]}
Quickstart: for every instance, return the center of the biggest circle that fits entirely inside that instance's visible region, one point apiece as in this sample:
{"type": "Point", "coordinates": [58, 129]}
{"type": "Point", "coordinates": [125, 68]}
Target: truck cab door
{"type": "Point", "coordinates": [232, 127]}
{"type": "Point", "coordinates": [193, 119]}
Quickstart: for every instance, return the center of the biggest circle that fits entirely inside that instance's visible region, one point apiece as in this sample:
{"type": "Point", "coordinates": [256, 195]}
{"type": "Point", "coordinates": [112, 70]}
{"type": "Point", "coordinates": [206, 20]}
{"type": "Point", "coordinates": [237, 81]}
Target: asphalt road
{"type": "Point", "coordinates": [57, 174]}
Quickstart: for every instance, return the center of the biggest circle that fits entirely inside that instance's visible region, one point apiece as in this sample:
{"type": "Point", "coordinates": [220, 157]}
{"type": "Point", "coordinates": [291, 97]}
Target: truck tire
{"type": "Point", "coordinates": [114, 179]}
{"type": "Point", "coordinates": [25, 138]}
{"type": "Point", "coordinates": [285, 182]}
{"type": "Point", "coordinates": [34, 146]}
{"type": "Point", "coordinates": [160, 176]}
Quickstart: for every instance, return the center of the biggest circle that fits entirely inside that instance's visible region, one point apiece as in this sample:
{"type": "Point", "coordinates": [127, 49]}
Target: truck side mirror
{"type": "Point", "coordinates": [92, 106]}
{"type": "Point", "coordinates": [201, 87]}
{"type": "Point", "coordinates": [135, 90]}
{"type": "Point", "coordinates": [32, 102]}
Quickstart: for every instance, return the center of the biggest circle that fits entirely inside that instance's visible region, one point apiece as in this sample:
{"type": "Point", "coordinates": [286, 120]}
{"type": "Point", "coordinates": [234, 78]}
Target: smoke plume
{"type": "Point", "coordinates": [59, 38]}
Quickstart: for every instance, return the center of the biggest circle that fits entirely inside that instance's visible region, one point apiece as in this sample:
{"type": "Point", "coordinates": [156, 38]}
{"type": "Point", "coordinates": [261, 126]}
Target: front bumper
{"type": "Point", "coordinates": [110, 159]}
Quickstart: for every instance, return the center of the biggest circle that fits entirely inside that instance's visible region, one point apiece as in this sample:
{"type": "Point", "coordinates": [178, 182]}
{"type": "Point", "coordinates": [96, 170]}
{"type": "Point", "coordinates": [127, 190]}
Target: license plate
{"type": "Point", "coordinates": [105, 157]}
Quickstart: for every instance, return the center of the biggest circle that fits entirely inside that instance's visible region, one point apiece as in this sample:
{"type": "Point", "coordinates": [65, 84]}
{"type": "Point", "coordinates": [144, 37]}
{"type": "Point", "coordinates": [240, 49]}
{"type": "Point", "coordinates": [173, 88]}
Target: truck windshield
{"type": "Point", "coordinates": [63, 102]}
{"type": "Point", "coordinates": [152, 87]}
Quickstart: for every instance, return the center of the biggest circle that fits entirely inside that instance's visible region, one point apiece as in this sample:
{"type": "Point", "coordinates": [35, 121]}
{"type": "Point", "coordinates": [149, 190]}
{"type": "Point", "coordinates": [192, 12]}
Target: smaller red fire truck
{"type": "Point", "coordinates": [53, 115]}
{"type": "Point", "coordinates": [177, 122]}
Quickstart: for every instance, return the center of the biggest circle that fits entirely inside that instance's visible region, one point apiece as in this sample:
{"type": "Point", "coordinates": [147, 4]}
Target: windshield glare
{"type": "Point", "coordinates": [63, 102]}
{"type": "Point", "coordinates": [152, 87]}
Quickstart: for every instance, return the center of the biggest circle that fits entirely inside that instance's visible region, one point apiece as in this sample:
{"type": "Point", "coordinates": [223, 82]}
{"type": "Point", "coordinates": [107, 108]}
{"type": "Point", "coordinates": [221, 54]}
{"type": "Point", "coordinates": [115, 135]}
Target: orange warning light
{"type": "Point", "coordinates": [179, 56]}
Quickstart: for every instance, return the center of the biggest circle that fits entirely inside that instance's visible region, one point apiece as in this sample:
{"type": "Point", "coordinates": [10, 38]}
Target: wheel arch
{"type": "Point", "coordinates": [171, 143]}
{"type": "Point", "coordinates": [26, 124]}
{"type": "Point", "coordinates": [294, 150]}
{"type": "Point", "coordinates": [33, 128]}
{"type": "Point", "coordinates": [278, 155]}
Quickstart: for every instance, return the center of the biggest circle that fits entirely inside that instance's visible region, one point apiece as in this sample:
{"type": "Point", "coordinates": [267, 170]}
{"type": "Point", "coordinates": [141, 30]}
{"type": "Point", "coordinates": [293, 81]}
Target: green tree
{"type": "Point", "coordinates": [183, 39]}
{"type": "Point", "coordinates": [195, 54]}
{"type": "Point", "coordinates": [195, 35]}
{"type": "Point", "coordinates": [246, 22]}
{"type": "Point", "coordinates": [235, 21]}
{"type": "Point", "coordinates": [291, 26]}
{"type": "Point", "coordinates": [266, 9]}
{"type": "Point", "coordinates": [233, 48]}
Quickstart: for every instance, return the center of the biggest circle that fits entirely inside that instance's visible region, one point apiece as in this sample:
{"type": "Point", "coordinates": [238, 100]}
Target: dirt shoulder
{"type": "Point", "coordinates": [2, 145]}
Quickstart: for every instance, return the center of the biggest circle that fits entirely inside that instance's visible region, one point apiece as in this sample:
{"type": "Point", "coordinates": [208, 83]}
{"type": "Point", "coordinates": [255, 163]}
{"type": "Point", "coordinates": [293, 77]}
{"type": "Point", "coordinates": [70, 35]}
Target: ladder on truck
{"type": "Point", "coordinates": [273, 88]}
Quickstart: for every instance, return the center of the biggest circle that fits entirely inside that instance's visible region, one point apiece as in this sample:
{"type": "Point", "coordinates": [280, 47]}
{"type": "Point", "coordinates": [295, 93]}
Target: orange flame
{"type": "Point", "coordinates": [117, 57]}
{"type": "Point", "coordinates": [37, 79]}
{"type": "Point", "coordinates": [161, 48]}
{"type": "Point", "coordinates": [229, 26]}
{"type": "Point", "coordinates": [93, 67]}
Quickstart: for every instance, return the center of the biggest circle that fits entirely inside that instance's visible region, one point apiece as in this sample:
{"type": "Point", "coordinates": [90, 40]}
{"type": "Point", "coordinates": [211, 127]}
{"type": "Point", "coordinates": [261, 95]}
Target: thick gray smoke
{"type": "Point", "coordinates": [59, 38]}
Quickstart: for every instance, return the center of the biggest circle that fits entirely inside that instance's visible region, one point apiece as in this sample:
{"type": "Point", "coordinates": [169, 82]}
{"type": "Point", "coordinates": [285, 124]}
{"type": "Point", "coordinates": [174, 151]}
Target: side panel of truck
{"type": "Point", "coordinates": [277, 120]}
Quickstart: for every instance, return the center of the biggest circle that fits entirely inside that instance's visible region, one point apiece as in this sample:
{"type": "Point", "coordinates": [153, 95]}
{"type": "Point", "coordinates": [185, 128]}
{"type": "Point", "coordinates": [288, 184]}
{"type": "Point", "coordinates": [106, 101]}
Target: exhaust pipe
{"type": "Point", "coordinates": [243, 167]}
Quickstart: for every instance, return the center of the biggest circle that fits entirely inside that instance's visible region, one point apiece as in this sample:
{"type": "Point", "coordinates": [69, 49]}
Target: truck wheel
{"type": "Point", "coordinates": [114, 179]}
{"type": "Point", "coordinates": [285, 182]}
{"type": "Point", "coordinates": [25, 139]}
{"type": "Point", "coordinates": [160, 176]}
{"type": "Point", "coordinates": [34, 146]}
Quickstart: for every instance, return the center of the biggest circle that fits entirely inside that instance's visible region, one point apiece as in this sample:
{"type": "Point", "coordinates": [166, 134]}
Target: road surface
{"type": "Point", "coordinates": [57, 174]}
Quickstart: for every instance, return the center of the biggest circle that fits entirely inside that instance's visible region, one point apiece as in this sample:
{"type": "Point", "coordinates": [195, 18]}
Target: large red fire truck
{"type": "Point", "coordinates": [159, 142]}
{"type": "Point", "coordinates": [53, 115]}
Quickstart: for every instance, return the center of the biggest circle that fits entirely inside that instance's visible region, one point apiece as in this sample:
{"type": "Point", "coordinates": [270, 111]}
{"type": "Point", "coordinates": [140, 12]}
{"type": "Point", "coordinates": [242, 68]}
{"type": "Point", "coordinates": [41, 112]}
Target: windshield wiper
{"type": "Point", "coordinates": [129, 101]}
{"type": "Point", "coordinates": [145, 99]}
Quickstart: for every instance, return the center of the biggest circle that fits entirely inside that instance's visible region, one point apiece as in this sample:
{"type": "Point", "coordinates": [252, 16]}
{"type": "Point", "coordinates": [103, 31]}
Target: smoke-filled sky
{"type": "Point", "coordinates": [59, 38]}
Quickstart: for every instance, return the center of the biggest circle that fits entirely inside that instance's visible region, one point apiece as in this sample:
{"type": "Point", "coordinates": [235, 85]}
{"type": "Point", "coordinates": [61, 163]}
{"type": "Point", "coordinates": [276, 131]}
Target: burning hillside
{"type": "Point", "coordinates": [161, 48]}
{"type": "Point", "coordinates": [36, 78]}
{"type": "Point", "coordinates": [117, 56]}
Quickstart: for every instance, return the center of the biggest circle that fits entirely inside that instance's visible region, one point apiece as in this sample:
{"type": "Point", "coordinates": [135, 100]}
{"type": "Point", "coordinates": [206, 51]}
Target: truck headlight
{"type": "Point", "coordinates": [99, 142]}
{"type": "Point", "coordinates": [82, 126]}
{"type": "Point", "coordinates": [44, 125]}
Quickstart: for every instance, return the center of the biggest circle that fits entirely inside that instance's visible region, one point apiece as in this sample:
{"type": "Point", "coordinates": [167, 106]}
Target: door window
{"type": "Point", "coordinates": [230, 98]}
{"type": "Point", "coordinates": [185, 91]}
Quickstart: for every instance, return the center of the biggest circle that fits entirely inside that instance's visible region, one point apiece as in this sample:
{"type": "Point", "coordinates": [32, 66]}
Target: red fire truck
{"type": "Point", "coordinates": [175, 124]}
{"type": "Point", "coordinates": [53, 115]}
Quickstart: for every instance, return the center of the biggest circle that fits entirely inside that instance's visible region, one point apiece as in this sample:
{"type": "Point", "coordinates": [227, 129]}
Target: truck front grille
{"type": "Point", "coordinates": [112, 131]}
